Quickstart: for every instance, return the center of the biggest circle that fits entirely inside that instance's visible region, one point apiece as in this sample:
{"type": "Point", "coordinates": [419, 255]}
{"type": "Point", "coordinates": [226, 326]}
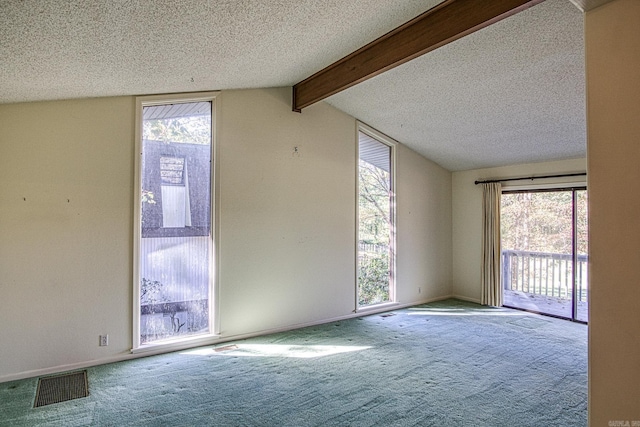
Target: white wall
{"type": "Point", "coordinates": [613, 125]}
{"type": "Point", "coordinates": [287, 219]}
{"type": "Point", "coordinates": [467, 214]}
{"type": "Point", "coordinates": [424, 228]}
{"type": "Point", "coordinates": [66, 174]}
{"type": "Point", "coordinates": [286, 224]}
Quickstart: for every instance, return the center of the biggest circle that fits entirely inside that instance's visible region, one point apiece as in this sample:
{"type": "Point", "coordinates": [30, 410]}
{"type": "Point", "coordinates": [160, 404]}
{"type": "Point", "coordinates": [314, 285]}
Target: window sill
{"type": "Point", "coordinates": [377, 307]}
{"type": "Point", "coordinates": [169, 345]}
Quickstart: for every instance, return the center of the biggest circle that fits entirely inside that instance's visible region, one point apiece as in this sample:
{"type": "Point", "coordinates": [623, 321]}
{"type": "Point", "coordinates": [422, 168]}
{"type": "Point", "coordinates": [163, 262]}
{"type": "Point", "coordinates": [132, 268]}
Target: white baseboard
{"type": "Point", "coordinates": [64, 368]}
{"type": "Point", "coordinates": [152, 351]}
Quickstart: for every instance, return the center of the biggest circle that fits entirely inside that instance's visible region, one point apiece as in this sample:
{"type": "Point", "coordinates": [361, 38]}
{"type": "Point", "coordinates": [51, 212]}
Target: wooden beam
{"type": "Point", "coordinates": [446, 22]}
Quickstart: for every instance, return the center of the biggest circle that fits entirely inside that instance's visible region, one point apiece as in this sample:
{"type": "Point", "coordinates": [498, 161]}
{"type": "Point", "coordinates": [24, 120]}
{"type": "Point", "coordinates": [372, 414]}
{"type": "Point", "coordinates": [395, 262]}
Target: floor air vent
{"type": "Point", "coordinates": [61, 388]}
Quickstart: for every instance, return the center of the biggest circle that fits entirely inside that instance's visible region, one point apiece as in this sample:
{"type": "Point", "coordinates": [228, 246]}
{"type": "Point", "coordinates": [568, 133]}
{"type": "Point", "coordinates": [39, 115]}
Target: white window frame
{"type": "Point", "coordinates": [187, 341]}
{"type": "Point", "coordinates": [392, 144]}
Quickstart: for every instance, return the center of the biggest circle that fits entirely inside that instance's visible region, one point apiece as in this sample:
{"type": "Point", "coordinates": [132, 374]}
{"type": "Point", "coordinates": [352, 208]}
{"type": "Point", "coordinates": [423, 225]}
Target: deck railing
{"type": "Point", "coordinates": [373, 247]}
{"type": "Point", "coordinates": [545, 274]}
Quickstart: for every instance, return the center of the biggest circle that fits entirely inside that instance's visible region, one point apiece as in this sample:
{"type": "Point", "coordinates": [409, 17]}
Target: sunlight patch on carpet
{"type": "Point", "coordinates": [419, 311]}
{"type": "Point", "coordinates": [225, 348]}
{"type": "Point", "coordinates": [277, 350]}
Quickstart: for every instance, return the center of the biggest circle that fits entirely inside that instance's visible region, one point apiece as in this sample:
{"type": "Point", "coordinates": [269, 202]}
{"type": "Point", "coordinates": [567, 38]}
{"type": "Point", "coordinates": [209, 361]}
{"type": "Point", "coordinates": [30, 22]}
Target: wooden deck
{"type": "Point", "coordinates": [544, 304]}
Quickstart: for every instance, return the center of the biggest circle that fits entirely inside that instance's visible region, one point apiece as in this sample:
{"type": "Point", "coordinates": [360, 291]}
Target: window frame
{"type": "Point", "coordinates": [186, 341]}
{"type": "Point", "coordinates": [392, 144]}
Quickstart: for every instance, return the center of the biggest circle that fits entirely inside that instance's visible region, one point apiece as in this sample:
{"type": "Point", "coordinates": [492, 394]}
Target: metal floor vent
{"type": "Point", "coordinates": [61, 388]}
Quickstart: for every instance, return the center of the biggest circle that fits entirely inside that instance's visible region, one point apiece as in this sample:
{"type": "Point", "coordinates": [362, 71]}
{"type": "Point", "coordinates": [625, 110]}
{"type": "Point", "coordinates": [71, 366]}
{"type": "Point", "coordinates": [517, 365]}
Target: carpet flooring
{"type": "Point", "coordinates": [448, 363]}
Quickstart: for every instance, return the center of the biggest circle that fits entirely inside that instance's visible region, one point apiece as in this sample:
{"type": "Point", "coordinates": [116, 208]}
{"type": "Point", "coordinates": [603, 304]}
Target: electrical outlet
{"type": "Point", "coordinates": [104, 340]}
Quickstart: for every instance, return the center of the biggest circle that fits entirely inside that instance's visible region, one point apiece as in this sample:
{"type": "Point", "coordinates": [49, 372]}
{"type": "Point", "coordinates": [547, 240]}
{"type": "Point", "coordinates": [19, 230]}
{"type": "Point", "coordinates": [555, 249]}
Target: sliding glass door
{"type": "Point", "coordinates": [544, 251]}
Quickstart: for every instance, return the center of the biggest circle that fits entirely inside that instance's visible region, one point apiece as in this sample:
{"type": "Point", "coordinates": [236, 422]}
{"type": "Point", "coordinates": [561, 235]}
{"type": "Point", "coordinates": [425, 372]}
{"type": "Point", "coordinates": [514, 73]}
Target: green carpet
{"type": "Point", "coordinates": [448, 363]}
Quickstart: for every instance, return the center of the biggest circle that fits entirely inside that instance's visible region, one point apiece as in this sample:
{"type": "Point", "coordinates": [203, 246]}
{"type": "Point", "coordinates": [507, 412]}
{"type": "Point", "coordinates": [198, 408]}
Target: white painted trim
{"type": "Point", "coordinates": [215, 212]}
{"type": "Point", "coordinates": [587, 5]}
{"type": "Point", "coordinates": [151, 100]}
{"type": "Point", "coordinates": [137, 226]}
{"type": "Point", "coordinates": [377, 307]}
{"type": "Point", "coordinates": [357, 218]}
{"type": "Point", "coordinates": [209, 340]}
{"type": "Point", "coordinates": [174, 344]}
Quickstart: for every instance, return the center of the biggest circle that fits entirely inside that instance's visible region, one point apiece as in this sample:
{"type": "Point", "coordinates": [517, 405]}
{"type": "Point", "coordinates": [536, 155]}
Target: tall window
{"type": "Point", "coordinates": [174, 236]}
{"type": "Point", "coordinates": [544, 251]}
{"type": "Point", "coordinates": [376, 219]}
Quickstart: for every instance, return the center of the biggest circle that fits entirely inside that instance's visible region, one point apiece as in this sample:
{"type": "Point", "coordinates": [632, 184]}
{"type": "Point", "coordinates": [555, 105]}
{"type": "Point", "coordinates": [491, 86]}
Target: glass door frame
{"type": "Point", "coordinates": [574, 246]}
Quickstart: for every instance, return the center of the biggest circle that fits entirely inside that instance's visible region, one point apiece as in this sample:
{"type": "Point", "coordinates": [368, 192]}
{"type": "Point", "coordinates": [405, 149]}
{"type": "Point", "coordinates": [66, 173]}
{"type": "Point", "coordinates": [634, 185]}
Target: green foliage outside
{"type": "Point", "coordinates": [187, 130]}
{"type": "Point", "coordinates": [541, 222]}
{"type": "Point", "coordinates": [374, 235]}
{"type": "Point", "coordinates": [373, 279]}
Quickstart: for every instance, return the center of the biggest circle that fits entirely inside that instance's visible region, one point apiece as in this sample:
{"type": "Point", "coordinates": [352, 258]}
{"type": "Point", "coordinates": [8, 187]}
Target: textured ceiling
{"type": "Point", "coordinates": [510, 93]}
{"type": "Point", "coordinates": [55, 49]}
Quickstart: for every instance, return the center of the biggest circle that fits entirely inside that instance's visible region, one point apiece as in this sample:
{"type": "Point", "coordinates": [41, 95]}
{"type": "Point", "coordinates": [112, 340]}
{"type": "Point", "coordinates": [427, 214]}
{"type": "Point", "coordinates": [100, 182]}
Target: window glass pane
{"type": "Point", "coordinates": [374, 222]}
{"type": "Point", "coordinates": [176, 238]}
{"type": "Point", "coordinates": [537, 260]}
